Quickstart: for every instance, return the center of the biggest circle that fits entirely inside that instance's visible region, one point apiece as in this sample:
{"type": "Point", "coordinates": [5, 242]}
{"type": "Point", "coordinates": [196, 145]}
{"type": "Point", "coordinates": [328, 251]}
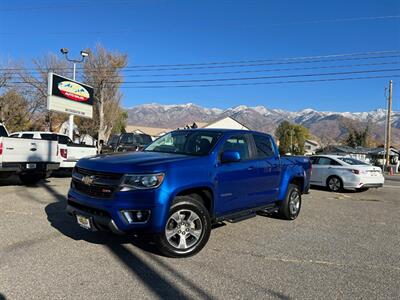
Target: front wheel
{"type": "Point", "coordinates": [290, 207]}
{"type": "Point", "coordinates": [187, 229]}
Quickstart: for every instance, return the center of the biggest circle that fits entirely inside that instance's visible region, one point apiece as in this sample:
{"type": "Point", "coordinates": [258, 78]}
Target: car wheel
{"type": "Point", "coordinates": [290, 207]}
{"type": "Point", "coordinates": [334, 184]}
{"type": "Point", "coordinates": [30, 179]}
{"type": "Point", "coordinates": [187, 229]}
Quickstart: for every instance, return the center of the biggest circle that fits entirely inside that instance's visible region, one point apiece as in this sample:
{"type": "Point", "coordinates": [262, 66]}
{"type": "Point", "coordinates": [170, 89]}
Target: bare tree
{"type": "Point", "coordinates": [102, 70]}
{"type": "Point", "coordinates": [33, 86]}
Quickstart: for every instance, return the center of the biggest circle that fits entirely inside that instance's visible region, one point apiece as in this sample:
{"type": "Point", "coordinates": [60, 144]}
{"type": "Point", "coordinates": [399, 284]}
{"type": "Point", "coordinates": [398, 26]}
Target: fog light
{"type": "Point", "coordinates": [136, 216]}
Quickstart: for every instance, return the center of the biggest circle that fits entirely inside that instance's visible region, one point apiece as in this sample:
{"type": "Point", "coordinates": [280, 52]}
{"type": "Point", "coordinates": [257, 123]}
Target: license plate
{"type": "Point", "coordinates": [83, 222]}
{"type": "Point", "coordinates": [31, 166]}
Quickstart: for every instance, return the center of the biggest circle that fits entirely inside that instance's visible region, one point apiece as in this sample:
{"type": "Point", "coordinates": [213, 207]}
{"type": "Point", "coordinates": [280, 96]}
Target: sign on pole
{"type": "Point", "coordinates": [69, 96]}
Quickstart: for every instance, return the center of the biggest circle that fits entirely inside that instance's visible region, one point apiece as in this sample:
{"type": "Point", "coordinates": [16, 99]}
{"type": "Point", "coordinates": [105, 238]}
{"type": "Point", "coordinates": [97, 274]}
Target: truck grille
{"type": "Point", "coordinates": [100, 185]}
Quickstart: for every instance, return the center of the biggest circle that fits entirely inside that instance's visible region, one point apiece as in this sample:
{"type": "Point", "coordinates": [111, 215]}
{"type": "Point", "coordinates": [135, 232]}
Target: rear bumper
{"type": "Point", "coordinates": [67, 164]}
{"type": "Point", "coordinates": [356, 182]}
{"type": "Point", "coordinates": [27, 167]}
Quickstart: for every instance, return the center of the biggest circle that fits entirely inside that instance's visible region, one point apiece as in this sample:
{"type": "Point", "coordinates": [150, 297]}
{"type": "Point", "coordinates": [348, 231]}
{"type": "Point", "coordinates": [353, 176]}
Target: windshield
{"type": "Point", "coordinates": [352, 161]}
{"type": "Point", "coordinates": [186, 142]}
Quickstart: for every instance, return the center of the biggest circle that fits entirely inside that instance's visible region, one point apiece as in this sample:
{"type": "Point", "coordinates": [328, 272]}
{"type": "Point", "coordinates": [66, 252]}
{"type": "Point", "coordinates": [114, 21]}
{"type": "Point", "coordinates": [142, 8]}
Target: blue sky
{"type": "Point", "coordinates": [176, 32]}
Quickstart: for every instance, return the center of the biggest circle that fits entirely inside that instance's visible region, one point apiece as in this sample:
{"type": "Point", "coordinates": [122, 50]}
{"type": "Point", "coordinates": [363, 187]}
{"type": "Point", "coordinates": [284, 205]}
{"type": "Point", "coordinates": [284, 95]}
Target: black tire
{"type": "Point", "coordinates": [183, 207]}
{"type": "Point", "coordinates": [290, 208]}
{"type": "Point", "coordinates": [30, 179]}
{"type": "Point", "coordinates": [334, 184]}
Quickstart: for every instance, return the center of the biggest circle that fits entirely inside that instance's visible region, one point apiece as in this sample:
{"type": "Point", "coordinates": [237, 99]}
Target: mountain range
{"type": "Point", "coordinates": [326, 127]}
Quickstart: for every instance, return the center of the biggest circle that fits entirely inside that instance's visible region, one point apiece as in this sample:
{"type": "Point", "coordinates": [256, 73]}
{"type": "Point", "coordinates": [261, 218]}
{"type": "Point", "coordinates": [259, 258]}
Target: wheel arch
{"type": "Point", "coordinates": [202, 193]}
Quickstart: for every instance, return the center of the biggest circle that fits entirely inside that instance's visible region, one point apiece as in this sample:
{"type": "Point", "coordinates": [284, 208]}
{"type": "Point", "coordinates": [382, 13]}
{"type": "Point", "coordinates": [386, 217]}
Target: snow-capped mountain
{"type": "Point", "coordinates": [329, 126]}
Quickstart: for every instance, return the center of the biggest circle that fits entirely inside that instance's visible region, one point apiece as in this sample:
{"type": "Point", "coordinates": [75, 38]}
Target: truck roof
{"type": "Point", "coordinates": [224, 130]}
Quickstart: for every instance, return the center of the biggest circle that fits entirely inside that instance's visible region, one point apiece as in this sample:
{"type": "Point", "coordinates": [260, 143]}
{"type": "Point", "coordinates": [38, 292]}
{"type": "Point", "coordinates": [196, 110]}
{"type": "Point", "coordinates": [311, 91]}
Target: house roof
{"type": "Point", "coordinates": [152, 131]}
{"type": "Point", "coordinates": [315, 143]}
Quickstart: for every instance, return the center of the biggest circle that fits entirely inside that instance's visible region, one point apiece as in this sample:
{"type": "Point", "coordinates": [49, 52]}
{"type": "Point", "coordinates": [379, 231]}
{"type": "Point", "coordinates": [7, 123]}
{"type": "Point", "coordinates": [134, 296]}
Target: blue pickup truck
{"type": "Point", "coordinates": [183, 183]}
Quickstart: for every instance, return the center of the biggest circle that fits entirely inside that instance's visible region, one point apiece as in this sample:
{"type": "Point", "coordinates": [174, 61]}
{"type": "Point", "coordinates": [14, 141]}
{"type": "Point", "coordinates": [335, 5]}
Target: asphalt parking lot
{"type": "Point", "coordinates": [344, 245]}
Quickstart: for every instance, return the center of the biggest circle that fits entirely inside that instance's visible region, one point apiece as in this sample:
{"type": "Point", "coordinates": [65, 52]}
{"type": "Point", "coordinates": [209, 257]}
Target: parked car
{"type": "Point", "coordinates": [30, 159]}
{"type": "Point", "coordinates": [111, 144]}
{"type": "Point", "coordinates": [133, 142]}
{"type": "Point", "coordinates": [69, 152]}
{"type": "Point", "coordinates": [184, 182]}
{"type": "Point", "coordinates": [341, 172]}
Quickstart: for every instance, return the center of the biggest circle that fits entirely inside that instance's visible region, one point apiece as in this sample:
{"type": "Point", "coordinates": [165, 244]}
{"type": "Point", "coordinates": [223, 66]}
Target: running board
{"type": "Point", "coordinates": [241, 218]}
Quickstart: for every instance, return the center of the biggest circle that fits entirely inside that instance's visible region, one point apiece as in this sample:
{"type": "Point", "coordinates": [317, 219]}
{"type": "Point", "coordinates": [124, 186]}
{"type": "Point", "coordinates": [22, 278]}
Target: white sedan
{"type": "Point", "coordinates": [340, 172]}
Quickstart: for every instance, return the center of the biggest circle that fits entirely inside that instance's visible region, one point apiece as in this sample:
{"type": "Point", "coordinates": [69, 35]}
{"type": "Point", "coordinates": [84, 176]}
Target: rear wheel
{"type": "Point", "coordinates": [334, 184]}
{"type": "Point", "coordinates": [30, 178]}
{"type": "Point", "coordinates": [187, 229]}
{"type": "Point", "coordinates": [290, 207]}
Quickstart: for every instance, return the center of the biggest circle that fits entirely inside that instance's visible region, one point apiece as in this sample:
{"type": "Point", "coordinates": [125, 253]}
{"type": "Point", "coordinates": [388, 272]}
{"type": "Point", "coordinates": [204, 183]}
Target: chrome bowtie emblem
{"type": "Point", "coordinates": [88, 180]}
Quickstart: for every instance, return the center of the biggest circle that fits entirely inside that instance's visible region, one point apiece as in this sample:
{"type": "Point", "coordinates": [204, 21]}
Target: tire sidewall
{"type": "Point", "coordinates": [284, 210]}
{"type": "Point", "coordinates": [340, 181]}
{"type": "Point", "coordinates": [293, 188]}
{"type": "Point", "coordinates": [187, 203]}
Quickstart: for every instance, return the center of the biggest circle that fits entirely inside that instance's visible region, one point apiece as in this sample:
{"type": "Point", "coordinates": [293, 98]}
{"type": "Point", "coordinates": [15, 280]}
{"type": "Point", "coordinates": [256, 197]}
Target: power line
{"type": "Point", "coordinates": [261, 83]}
{"type": "Point", "coordinates": [246, 63]}
{"type": "Point", "coordinates": [254, 71]}
{"type": "Point", "coordinates": [246, 78]}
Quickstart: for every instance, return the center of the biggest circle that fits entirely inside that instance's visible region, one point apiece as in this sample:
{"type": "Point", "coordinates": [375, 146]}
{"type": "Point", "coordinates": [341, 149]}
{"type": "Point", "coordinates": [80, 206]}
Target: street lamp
{"type": "Point", "coordinates": [84, 54]}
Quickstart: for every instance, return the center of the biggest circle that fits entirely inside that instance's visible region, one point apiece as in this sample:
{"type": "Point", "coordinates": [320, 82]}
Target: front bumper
{"type": "Point", "coordinates": [106, 214]}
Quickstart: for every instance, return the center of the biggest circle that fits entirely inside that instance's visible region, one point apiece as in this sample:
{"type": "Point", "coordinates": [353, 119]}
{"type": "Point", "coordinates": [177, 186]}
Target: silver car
{"type": "Point", "coordinates": [340, 172]}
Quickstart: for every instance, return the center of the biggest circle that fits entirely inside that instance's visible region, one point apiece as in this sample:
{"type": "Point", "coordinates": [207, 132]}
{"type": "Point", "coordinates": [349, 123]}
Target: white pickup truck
{"type": "Point", "coordinates": [31, 159]}
{"type": "Point", "coordinates": [70, 152]}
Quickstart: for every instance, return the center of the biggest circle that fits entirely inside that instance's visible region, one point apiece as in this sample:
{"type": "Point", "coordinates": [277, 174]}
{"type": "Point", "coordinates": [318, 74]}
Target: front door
{"type": "Point", "coordinates": [234, 179]}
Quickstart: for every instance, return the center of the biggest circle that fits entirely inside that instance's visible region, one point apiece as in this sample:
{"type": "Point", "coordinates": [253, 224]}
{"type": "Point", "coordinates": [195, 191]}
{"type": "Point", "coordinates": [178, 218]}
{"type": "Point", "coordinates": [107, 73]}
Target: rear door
{"type": "Point", "coordinates": [234, 180]}
{"type": "Point", "coordinates": [323, 169]}
{"type": "Point", "coordinates": [267, 173]}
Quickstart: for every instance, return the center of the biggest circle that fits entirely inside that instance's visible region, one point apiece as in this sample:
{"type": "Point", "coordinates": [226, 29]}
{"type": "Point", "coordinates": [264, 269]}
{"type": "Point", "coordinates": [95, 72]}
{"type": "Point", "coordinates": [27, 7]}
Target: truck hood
{"type": "Point", "coordinates": [130, 162]}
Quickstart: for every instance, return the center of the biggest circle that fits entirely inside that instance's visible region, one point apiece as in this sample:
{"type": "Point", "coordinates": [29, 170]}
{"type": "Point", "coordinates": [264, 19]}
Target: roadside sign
{"type": "Point", "coordinates": [69, 96]}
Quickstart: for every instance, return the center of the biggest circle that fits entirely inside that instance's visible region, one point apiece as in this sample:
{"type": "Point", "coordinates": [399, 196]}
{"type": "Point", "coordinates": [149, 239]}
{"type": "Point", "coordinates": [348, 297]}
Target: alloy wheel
{"type": "Point", "coordinates": [184, 229]}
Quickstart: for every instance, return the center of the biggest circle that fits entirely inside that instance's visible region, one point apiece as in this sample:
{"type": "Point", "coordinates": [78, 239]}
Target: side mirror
{"type": "Point", "coordinates": [230, 156]}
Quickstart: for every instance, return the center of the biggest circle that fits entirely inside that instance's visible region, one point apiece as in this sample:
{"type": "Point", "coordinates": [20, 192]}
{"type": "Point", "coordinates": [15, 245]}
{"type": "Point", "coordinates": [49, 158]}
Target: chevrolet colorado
{"type": "Point", "coordinates": [184, 182]}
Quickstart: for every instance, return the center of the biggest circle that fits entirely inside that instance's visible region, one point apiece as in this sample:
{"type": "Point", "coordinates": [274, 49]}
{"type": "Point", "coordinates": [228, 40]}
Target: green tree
{"type": "Point", "coordinates": [291, 138]}
{"type": "Point", "coordinates": [358, 137]}
{"type": "Point", "coordinates": [14, 111]}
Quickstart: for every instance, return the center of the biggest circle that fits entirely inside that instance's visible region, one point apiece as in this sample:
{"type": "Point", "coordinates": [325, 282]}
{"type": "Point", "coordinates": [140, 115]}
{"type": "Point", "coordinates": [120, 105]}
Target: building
{"type": "Point", "coordinates": [154, 132]}
{"type": "Point", "coordinates": [359, 153]}
{"type": "Point", "coordinates": [310, 147]}
{"type": "Point", "coordinates": [226, 123]}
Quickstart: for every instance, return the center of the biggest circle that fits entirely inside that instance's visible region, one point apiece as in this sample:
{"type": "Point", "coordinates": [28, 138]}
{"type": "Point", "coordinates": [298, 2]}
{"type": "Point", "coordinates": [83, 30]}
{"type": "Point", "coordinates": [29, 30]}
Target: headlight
{"type": "Point", "coordinates": [141, 181]}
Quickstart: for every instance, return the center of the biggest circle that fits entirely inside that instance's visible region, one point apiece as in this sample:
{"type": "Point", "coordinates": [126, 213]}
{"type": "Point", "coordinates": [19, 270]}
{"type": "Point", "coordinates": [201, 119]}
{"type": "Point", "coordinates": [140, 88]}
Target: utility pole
{"type": "Point", "coordinates": [388, 125]}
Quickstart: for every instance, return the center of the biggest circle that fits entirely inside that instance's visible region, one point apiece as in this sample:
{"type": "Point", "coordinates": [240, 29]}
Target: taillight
{"type": "Point", "coordinates": [63, 153]}
{"type": "Point", "coordinates": [354, 171]}
{"type": "Point", "coordinates": [1, 148]}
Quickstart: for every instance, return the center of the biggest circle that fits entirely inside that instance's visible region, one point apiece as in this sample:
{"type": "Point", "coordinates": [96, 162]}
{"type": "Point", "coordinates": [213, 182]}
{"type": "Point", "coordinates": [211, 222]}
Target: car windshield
{"type": "Point", "coordinates": [352, 161]}
{"type": "Point", "coordinates": [186, 142]}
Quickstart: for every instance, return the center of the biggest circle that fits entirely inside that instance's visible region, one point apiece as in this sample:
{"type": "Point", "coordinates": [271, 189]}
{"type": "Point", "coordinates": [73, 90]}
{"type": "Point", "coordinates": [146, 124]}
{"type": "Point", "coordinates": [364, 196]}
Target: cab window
{"type": "Point", "coordinates": [237, 143]}
{"type": "Point", "coordinates": [264, 146]}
